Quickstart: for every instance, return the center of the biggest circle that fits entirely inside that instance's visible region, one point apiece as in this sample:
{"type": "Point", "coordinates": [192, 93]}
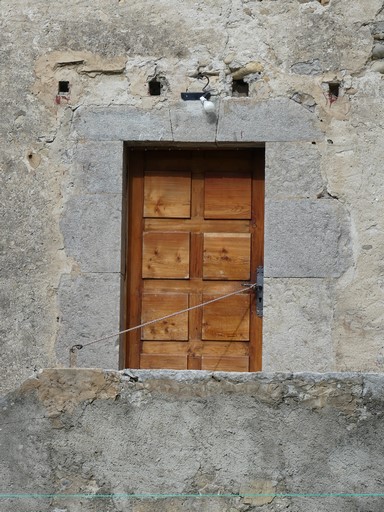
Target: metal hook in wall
{"type": "Point", "coordinates": [200, 76]}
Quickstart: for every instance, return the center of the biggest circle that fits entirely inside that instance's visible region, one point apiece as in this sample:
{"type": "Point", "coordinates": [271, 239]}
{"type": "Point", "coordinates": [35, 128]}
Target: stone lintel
{"type": "Point", "coordinates": [236, 120]}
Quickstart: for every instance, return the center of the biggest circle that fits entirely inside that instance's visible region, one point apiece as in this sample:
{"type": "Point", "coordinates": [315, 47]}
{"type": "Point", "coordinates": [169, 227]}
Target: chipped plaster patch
{"type": "Point", "coordinates": [61, 391]}
{"type": "Point", "coordinates": [74, 67]}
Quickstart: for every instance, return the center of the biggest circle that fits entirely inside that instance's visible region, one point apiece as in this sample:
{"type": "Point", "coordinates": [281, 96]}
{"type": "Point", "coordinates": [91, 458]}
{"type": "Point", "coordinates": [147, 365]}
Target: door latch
{"type": "Point", "coordinates": [259, 291]}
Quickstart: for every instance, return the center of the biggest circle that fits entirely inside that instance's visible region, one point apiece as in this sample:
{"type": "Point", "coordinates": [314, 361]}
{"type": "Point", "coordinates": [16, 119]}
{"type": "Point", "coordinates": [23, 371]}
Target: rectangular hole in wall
{"type": "Point", "coordinates": [154, 88]}
{"type": "Point", "coordinates": [240, 88]}
{"type": "Point", "coordinates": [334, 89]}
{"type": "Point", "coordinates": [63, 87]}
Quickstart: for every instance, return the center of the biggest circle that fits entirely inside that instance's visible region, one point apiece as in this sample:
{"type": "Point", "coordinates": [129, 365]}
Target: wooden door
{"type": "Point", "coordinates": [195, 233]}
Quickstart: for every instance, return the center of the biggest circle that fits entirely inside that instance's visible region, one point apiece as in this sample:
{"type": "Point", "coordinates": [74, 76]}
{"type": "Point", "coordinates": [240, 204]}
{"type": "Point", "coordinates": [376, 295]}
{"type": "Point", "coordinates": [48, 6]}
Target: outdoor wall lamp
{"type": "Point", "coordinates": [204, 95]}
{"type": "Point", "coordinates": [208, 106]}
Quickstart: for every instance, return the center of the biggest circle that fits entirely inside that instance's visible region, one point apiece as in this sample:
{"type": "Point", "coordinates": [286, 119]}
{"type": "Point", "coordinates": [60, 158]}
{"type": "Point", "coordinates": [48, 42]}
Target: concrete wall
{"type": "Point", "coordinates": [61, 164]}
{"type": "Point", "coordinates": [87, 432]}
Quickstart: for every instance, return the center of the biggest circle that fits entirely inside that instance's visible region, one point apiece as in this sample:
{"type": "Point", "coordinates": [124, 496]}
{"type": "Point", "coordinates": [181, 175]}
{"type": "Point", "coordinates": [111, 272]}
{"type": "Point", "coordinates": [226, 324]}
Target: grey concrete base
{"type": "Point", "coordinates": [241, 439]}
{"type": "Point", "coordinates": [90, 309]}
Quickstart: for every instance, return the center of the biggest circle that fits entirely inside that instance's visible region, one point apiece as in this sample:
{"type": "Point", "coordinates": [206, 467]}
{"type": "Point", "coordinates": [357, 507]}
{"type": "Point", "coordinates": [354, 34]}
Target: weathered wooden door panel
{"type": "Point", "coordinates": [167, 195]}
{"type": "Point", "coordinates": [165, 255]}
{"type": "Point", "coordinates": [227, 195]}
{"type": "Point", "coordinates": [155, 305]}
{"type": "Point", "coordinates": [227, 319]}
{"type": "Point", "coordinates": [195, 233]}
{"type": "Point", "coordinates": [227, 256]}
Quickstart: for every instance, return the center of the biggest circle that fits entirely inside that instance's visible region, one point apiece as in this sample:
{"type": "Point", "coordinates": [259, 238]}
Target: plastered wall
{"type": "Point", "coordinates": [61, 164]}
{"type": "Point", "coordinates": [188, 441]}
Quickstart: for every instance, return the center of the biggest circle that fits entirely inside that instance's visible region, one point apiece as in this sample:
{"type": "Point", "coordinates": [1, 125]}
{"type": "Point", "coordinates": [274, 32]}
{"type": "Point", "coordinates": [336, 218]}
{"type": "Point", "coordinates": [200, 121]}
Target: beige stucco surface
{"type": "Point", "coordinates": [56, 285]}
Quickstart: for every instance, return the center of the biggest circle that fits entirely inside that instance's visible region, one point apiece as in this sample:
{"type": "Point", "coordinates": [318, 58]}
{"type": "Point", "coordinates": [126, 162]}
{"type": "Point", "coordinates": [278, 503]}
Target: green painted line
{"type": "Point", "coordinates": [164, 496]}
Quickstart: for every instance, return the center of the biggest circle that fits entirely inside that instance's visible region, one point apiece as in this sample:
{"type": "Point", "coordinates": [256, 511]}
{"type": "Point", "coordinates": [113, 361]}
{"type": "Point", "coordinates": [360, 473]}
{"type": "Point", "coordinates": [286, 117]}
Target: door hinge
{"type": "Point", "coordinates": [259, 291]}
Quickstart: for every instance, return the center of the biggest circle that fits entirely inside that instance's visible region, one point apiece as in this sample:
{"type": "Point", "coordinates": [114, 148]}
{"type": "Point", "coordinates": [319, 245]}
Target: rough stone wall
{"type": "Point", "coordinates": [86, 432]}
{"type": "Point", "coordinates": [289, 51]}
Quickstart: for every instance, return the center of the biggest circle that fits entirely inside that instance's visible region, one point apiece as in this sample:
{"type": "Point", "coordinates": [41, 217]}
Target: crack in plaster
{"type": "Point", "coordinates": [170, 122]}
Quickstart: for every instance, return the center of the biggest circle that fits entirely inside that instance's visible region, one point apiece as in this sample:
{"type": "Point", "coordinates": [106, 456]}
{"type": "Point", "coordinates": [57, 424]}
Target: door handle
{"type": "Point", "coordinates": [258, 290]}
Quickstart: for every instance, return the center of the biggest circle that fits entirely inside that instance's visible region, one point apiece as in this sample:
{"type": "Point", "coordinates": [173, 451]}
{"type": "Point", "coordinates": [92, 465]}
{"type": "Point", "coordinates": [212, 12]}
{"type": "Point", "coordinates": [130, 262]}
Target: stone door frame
{"type": "Point", "coordinates": [90, 295]}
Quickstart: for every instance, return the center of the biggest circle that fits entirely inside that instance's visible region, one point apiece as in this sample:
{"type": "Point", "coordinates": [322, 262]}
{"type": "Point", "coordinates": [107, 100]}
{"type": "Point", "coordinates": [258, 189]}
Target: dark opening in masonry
{"type": "Point", "coordinates": [63, 87]}
{"type": "Point", "coordinates": [154, 87]}
{"type": "Point", "coordinates": [240, 88]}
{"type": "Point", "coordinates": [334, 89]}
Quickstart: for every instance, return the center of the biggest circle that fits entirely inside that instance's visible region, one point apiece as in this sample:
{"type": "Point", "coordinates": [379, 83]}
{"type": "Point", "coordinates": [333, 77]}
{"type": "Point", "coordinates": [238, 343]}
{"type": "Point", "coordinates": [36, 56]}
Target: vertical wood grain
{"type": "Point", "coordinates": [135, 230]}
{"type": "Point", "coordinates": [257, 256]}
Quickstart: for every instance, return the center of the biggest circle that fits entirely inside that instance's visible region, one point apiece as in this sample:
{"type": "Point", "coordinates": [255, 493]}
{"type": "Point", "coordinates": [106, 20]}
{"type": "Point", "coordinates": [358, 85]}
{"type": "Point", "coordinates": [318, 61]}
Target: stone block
{"type": "Point", "coordinates": [91, 227]}
{"type": "Point", "coordinates": [89, 306]}
{"type": "Point", "coordinates": [297, 324]}
{"type": "Point", "coordinates": [310, 67]}
{"type": "Point", "coordinates": [378, 51]}
{"type": "Point", "coordinates": [98, 167]}
{"type": "Point", "coordinates": [236, 120]}
{"type": "Point", "coordinates": [306, 238]}
{"type": "Point", "coordinates": [292, 170]}
{"type": "Point", "coordinates": [123, 123]}
{"type": "Point", "coordinates": [190, 122]}
{"type": "Point", "coordinates": [243, 120]}
{"type": "Point", "coordinates": [373, 387]}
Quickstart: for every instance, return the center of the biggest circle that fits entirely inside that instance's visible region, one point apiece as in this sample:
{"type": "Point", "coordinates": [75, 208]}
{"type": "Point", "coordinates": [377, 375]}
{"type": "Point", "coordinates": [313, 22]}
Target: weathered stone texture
{"type": "Point", "coordinates": [91, 227]}
{"type": "Point", "coordinates": [298, 325]}
{"type": "Point", "coordinates": [123, 124]}
{"type": "Point", "coordinates": [193, 433]}
{"type": "Point", "coordinates": [292, 170]}
{"type": "Point", "coordinates": [277, 120]}
{"type": "Point", "coordinates": [61, 155]}
{"type": "Point", "coordinates": [89, 309]}
{"type": "Point", "coordinates": [98, 168]}
{"type": "Point", "coordinates": [306, 238]}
